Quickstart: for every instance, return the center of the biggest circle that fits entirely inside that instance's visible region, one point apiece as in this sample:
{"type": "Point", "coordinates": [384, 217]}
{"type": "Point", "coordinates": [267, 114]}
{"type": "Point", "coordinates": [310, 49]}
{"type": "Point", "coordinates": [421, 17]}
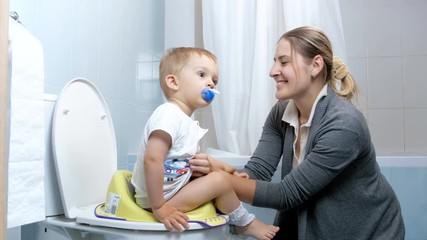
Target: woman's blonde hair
{"type": "Point", "coordinates": [310, 42]}
{"type": "Point", "coordinates": [175, 59]}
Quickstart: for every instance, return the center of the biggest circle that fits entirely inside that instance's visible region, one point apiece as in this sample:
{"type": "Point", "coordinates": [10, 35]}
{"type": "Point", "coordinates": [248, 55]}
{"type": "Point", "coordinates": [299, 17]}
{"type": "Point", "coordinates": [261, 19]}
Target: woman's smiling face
{"type": "Point", "coordinates": [290, 71]}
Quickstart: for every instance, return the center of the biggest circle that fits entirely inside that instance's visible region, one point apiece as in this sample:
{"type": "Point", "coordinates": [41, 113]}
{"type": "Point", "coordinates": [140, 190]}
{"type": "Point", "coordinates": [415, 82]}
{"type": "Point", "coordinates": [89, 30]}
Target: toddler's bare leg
{"type": "Point", "coordinates": [203, 189]}
{"type": "Point", "coordinates": [216, 185]}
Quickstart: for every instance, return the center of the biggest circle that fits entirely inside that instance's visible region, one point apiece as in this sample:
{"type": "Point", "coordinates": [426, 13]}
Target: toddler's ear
{"type": "Point", "coordinates": [172, 82]}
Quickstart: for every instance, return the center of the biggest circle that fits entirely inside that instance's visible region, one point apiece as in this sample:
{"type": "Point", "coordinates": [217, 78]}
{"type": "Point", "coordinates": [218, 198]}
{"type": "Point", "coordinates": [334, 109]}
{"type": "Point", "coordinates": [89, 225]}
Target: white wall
{"type": "Point", "coordinates": [387, 52]}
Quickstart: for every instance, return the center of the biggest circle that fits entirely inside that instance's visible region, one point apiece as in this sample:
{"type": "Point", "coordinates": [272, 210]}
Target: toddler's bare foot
{"type": "Point", "coordinates": [258, 230]}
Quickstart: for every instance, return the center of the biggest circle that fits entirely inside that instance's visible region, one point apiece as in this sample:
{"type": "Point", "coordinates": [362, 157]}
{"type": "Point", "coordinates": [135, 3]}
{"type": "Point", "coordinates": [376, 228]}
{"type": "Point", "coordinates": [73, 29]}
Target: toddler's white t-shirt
{"type": "Point", "coordinates": [185, 133]}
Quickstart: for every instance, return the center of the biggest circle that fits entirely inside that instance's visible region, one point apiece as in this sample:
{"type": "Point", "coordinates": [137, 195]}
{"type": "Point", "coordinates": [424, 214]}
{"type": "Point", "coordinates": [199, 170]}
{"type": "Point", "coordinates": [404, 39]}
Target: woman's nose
{"type": "Point", "coordinates": [273, 71]}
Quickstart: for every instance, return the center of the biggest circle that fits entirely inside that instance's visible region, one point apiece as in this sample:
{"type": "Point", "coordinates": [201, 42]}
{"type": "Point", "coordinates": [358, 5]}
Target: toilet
{"type": "Point", "coordinates": [86, 196]}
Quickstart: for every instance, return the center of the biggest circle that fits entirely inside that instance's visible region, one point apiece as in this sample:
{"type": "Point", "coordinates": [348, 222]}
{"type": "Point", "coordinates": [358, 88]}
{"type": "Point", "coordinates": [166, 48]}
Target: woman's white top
{"type": "Point", "coordinates": [291, 116]}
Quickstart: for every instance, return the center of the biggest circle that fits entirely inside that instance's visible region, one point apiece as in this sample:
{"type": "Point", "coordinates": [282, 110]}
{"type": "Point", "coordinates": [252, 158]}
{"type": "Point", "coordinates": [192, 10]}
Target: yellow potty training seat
{"type": "Point", "coordinates": [120, 205]}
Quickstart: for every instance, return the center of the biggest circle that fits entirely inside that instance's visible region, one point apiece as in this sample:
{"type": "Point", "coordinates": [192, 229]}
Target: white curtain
{"type": "Point", "coordinates": [324, 14]}
{"type": "Point", "coordinates": [243, 35]}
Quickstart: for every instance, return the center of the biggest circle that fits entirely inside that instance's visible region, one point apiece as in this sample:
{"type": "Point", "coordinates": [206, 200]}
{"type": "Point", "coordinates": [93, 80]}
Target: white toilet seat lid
{"type": "Point", "coordinates": [84, 146]}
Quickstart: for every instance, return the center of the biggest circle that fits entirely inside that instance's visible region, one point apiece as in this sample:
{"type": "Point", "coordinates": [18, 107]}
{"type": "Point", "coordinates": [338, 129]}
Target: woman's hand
{"type": "Point", "coordinates": [220, 165]}
{"type": "Point", "coordinates": [171, 218]}
{"type": "Point", "coordinates": [200, 165]}
{"type": "Point", "coordinates": [203, 164]}
{"type": "Point", "coordinates": [241, 174]}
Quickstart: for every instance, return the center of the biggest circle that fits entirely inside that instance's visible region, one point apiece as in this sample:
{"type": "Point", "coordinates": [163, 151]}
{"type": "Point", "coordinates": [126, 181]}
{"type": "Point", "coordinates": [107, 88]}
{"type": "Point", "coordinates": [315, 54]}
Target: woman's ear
{"type": "Point", "coordinates": [318, 64]}
{"type": "Point", "coordinates": [172, 82]}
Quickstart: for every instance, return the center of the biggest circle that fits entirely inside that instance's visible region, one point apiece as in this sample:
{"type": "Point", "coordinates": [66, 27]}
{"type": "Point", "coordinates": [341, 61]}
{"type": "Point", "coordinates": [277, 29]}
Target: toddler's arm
{"type": "Point", "coordinates": [157, 148]}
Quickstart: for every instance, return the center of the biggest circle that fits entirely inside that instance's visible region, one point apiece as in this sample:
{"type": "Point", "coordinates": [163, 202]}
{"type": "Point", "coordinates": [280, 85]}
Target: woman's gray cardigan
{"type": "Point", "coordinates": [338, 191]}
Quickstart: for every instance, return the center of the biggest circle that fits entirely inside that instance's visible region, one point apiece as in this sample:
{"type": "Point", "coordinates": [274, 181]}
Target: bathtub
{"type": "Point", "coordinates": [408, 177]}
{"type": "Point", "coordinates": [406, 174]}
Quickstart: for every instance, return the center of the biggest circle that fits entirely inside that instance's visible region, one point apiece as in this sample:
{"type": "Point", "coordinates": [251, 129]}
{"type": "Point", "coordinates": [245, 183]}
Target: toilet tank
{"type": "Point", "coordinates": [53, 202]}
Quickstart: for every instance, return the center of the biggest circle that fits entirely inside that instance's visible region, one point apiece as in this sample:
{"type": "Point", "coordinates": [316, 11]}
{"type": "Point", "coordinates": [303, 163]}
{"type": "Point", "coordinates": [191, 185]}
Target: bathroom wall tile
{"type": "Point", "coordinates": [353, 18]}
{"type": "Point", "coordinates": [132, 124]}
{"type": "Point", "coordinates": [147, 83]}
{"type": "Point", "coordinates": [358, 68]}
{"type": "Point", "coordinates": [159, 32]}
{"type": "Point", "coordinates": [415, 81]}
{"type": "Point", "coordinates": [127, 88]}
{"type": "Point", "coordinates": [414, 31]}
{"type": "Point", "coordinates": [380, 3]}
{"type": "Point", "coordinates": [85, 40]}
{"type": "Point", "coordinates": [129, 50]}
{"type": "Point", "coordinates": [114, 107]}
{"type": "Point", "coordinates": [156, 70]}
{"type": "Point", "coordinates": [385, 83]}
{"type": "Point", "coordinates": [148, 24]}
{"type": "Point", "coordinates": [395, 83]}
{"type": "Point", "coordinates": [138, 89]}
{"type": "Point", "coordinates": [383, 30]}
{"type": "Point", "coordinates": [122, 164]}
{"type": "Point", "coordinates": [52, 88]}
{"type": "Point", "coordinates": [123, 115]}
{"type": "Point", "coordinates": [55, 36]}
{"type": "Point", "coordinates": [415, 130]}
{"type": "Point", "coordinates": [149, 91]}
{"type": "Point", "coordinates": [131, 161]}
{"type": "Point", "coordinates": [386, 130]}
{"type": "Point", "coordinates": [145, 56]}
{"type": "Point", "coordinates": [157, 92]}
{"type": "Point", "coordinates": [145, 71]}
{"type": "Point", "coordinates": [129, 128]}
{"type": "Point", "coordinates": [147, 86]}
{"type": "Point", "coordinates": [411, 2]}
{"type": "Point", "coordinates": [28, 14]}
{"type": "Point", "coordinates": [141, 116]}
{"type": "Point", "coordinates": [109, 47]}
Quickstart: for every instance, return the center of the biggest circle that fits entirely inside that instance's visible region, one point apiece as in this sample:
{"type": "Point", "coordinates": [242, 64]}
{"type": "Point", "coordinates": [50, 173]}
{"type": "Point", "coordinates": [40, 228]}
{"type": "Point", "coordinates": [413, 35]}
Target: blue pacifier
{"type": "Point", "coordinates": [209, 94]}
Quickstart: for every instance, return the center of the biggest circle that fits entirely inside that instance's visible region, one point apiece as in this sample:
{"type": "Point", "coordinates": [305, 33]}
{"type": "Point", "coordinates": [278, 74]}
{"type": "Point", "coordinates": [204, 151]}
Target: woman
{"type": "Point", "coordinates": [331, 187]}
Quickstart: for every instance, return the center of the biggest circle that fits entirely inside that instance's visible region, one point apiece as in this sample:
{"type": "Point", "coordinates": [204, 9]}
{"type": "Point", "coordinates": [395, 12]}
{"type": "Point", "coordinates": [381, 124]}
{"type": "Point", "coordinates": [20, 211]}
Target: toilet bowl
{"type": "Point", "coordinates": [83, 184]}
